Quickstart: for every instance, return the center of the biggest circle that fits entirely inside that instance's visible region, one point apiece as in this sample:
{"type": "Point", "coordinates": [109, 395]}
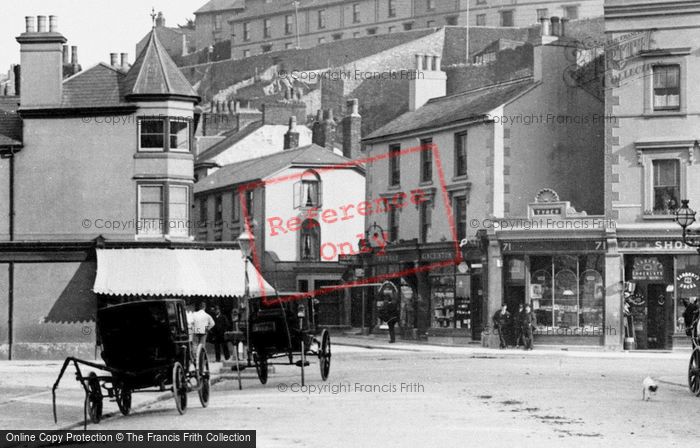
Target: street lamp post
{"type": "Point", "coordinates": [685, 217]}
{"type": "Point", "coordinates": [246, 241]}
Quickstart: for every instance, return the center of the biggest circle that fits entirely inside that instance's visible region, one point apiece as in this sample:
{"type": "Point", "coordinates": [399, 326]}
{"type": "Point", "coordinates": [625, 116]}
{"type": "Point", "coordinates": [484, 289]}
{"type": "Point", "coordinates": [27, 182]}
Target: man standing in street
{"type": "Point", "coordinates": [201, 324]}
{"type": "Point", "coordinates": [391, 316]}
{"type": "Point", "coordinates": [518, 327]}
{"type": "Point", "coordinates": [221, 325]}
{"type": "Point", "coordinates": [528, 322]}
{"type": "Point", "coordinates": [500, 323]}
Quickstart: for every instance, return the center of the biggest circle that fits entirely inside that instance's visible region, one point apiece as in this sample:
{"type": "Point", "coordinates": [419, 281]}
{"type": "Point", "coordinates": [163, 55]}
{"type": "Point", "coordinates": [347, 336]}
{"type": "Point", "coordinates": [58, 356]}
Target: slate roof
{"type": "Point", "coordinates": [10, 129]}
{"type": "Point", "coordinates": [229, 141]}
{"type": "Point", "coordinates": [97, 86]}
{"type": "Point", "coordinates": [155, 73]}
{"type": "Point", "coordinates": [452, 109]}
{"type": "Point", "coordinates": [220, 5]}
{"type": "Point", "coordinates": [262, 167]}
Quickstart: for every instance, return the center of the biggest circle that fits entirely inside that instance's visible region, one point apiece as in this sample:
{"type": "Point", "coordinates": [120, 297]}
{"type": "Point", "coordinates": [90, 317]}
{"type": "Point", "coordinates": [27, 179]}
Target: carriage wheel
{"type": "Point", "coordinates": [179, 388]}
{"type": "Point", "coordinates": [694, 372]}
{"type": "Point", "coordinates": [93, 398]}
{"type": "Point", "coordinates": [324, 355]}
{"type": "Point", "coordinates": [261, 366]}
{"type": "Point", "coordinates": [203, 376]}
{"type": "Point", "coordinates": [122, 394]}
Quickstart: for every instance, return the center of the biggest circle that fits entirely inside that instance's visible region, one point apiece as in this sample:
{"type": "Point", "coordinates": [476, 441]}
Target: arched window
{"type": "Point", "coordinates": [308, 192]}
{"type": "Point", "coordinates": [310, 241]}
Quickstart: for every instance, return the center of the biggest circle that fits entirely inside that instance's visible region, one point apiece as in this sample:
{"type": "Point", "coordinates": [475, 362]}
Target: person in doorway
{"type": "Point", "coordinates": [202, 322]}
{"type": "Point", "coordinates": [500, 322]}
{"type": "Point", "coordinates": [517, 323]}
{"type": "Point", "coordinates": [221, 325]}
{"type": "Point", "coordinates": [690, 314]}
{"type": "Point", "coordinates": [391, 316]}
{"type": "Point", "coordinates": [528, 323]}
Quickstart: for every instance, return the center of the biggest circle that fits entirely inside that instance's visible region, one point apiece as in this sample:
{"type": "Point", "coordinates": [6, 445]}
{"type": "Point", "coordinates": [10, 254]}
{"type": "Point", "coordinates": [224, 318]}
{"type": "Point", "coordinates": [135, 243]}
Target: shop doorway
{"type": "Point", "coordinates": [656, 316]}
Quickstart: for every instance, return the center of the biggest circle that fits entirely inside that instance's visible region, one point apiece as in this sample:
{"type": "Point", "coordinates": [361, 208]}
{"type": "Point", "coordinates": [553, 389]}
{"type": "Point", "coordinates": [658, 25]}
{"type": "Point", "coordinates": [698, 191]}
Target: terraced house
{"type": "Point", "coordinates": [260, 26]}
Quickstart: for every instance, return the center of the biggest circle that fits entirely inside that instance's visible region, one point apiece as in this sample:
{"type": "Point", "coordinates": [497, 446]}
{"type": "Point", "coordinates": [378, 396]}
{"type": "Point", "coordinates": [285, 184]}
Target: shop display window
{"type": "Point", "coordinates": [450, 302]}
{"type": "Point", "coordinates": [567, 293]}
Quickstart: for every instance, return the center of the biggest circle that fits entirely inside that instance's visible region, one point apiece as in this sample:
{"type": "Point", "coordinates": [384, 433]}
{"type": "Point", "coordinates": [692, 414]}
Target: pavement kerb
{"type": "Point", "coordinates": [349, 341]}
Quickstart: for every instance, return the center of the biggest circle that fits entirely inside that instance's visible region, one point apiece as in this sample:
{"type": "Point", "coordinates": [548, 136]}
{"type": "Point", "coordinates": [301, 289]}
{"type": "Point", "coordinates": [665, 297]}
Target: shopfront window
{"type": "Point", "coordinates": [567, 294]}
{"type": "Point", "coordinates": [687, 280]}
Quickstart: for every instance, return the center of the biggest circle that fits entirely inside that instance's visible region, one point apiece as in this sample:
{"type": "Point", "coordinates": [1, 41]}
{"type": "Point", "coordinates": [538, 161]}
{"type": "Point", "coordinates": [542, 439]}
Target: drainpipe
{"type": "Point", "coordinates": [11, 265]}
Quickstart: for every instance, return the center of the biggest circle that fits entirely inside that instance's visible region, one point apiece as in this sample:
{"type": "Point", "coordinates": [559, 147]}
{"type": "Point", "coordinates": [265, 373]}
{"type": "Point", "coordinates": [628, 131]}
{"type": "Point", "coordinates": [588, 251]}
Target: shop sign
{"type": "Point", "coordinates": [647, 268]}
{"type": "Point", "coordinates": [552, 246]}
{"type": "Point", "coordinates": [688, 280]}
{"type": "Point", "coordinates": [463, 268]}
{"type": "Point", "coordinates": [654, 245]}
{"type": "Point", "coordinates": [437, 255]}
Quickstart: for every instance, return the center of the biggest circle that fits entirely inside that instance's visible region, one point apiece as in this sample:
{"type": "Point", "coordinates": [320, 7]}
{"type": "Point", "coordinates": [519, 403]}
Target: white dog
{"type": "Point", "coordinates": [649, 386]}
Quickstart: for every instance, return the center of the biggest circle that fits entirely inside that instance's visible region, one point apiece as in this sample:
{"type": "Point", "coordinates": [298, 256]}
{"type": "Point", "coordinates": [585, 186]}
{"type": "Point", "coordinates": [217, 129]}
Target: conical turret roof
{"type": "Point", "coordinates": [154, 75]}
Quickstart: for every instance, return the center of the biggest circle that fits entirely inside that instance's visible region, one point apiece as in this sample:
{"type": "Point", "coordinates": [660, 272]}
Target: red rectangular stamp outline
{"type": "Point", "coordinates": [435, 154]}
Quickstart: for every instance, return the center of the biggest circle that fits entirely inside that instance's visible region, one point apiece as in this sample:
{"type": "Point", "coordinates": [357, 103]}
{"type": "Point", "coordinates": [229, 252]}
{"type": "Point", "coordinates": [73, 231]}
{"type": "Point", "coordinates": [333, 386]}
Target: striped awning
{"type": "Point", "coordinates": [176, 272]}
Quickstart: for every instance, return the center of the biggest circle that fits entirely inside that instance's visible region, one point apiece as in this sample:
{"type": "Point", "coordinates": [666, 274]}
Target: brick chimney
{"type": "Point", "coordinates": [160, 20]}
{"type": "Point", "coordinates": [114, 59]}
{"type": "Point", "coordinates": [556, 26]}
{"type": "Point", "coordinates": [74, 59]}
{"type": "Point", "coordinates": [291, 138]}
{"type": "Point", "coordinates": [352, 130]}
{"type": "Point", "coordinates": [325, 136]}
{"type": "Point", "coordinates": [41, 56]}
{"type": "Point", "coordinates": [125, 61]}
{"type": "Point", "coordinates": [427, 82]}
{"type": "Point", "coordinates": [316, 128]}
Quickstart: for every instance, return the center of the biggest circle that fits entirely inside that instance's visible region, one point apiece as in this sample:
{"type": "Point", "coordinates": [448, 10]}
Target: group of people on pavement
{"type": "Point", "coordinates": [521, 325]}
{"type": "Point", "coordinates": [215, 323]}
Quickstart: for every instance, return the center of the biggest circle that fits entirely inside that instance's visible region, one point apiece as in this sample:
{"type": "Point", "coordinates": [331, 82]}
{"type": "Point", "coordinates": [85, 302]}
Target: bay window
{"type": "Point", "coordinates": [154, 130]}
{"type": "Point", "coordinates": [163, 209]}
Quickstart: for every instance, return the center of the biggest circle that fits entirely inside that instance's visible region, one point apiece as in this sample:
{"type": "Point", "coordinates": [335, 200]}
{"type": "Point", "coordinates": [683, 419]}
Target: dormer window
{"type": "Point", "coordinates": [152, 133]}
{"type": "Point", "coordinates": [308, 191]}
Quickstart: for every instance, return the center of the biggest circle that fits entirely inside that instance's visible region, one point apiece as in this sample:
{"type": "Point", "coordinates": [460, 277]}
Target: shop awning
{"type": "Point", "coordinates": [176, 272]}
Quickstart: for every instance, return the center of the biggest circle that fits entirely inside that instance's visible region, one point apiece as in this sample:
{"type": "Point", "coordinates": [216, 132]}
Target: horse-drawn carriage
{"type": "Point", "coordinates": [281, 328]}
{"type": "Point", "coordinates": [146, 347]}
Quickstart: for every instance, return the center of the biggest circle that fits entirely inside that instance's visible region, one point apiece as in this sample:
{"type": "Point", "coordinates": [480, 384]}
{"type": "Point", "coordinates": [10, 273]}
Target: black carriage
{"type": "Point", "coordinates": [285, 331]}
{"type": "Point", "coordinates": [146, 347]}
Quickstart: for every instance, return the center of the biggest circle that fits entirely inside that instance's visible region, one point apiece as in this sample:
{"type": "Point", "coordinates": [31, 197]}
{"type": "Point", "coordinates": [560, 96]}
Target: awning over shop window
{"type": "Point", "coordinates": [176, 272]}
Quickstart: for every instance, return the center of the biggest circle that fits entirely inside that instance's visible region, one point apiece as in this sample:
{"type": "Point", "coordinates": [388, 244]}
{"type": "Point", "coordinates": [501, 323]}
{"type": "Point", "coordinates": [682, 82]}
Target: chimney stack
{"type": "Point", "coordinates": [545, 27]}
{"type": "Point", "coordinates": [562, 27]}
{"type": "Point", "coordinates": [291, 138]}
{"type": "Point", "coordinates": [41, 58]}
{"type": "Point", "coordinates": [427, 82]}
{"type": "Point", "coordinates": [328, 128]}
{"type": "Point", "coordinates": [41, 24]}
{"type": "Point", "coordinates": [352, 130]}
{"type": "Point", "coordinates": [113, 59]}
{"type": "Point", "coordinates": [160, 20]}
{"type": "Point", "coordinates": [29, 24]}
{"type": "Point", "coordinates": [66, 55]}
{"type": "Point", "coordinates": [556, 26]}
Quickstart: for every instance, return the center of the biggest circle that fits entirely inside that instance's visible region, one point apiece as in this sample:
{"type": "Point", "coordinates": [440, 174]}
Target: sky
{"type": "Point", "coordinates": [97, 27]}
